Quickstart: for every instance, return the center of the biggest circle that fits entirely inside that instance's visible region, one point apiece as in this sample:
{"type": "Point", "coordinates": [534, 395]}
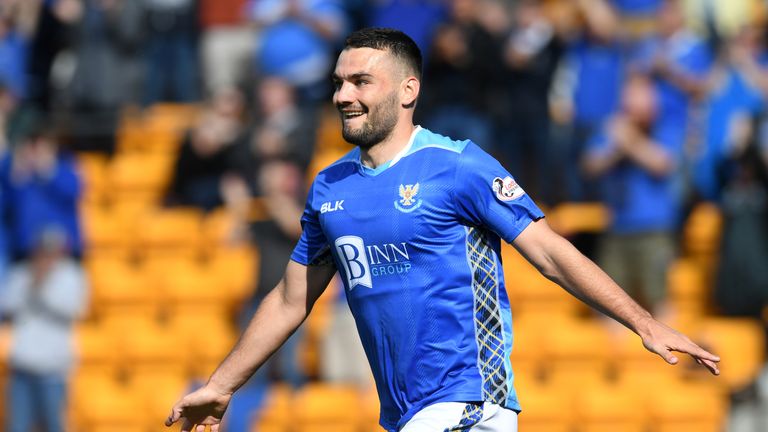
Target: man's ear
{"type": "Point", "coordinates": [409, 91]}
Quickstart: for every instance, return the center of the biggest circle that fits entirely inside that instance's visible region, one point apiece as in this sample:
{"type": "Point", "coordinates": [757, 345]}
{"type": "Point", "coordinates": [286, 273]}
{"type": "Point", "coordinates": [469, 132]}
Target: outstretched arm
{"type": "Point", "coordinates": [558, 260]}
{"type": "Point", "coordinates": [278, 316]}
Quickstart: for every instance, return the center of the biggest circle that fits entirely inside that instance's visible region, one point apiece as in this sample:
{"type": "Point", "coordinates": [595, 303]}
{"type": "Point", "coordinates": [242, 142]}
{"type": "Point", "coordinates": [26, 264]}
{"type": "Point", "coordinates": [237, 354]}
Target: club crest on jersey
{"type": "Point", "coordinates": [506, 189]}
{"type": "Point", "coordinates": [408, 202]}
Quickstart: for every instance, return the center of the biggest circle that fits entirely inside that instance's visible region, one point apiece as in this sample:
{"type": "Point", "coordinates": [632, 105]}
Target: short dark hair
{"type": "Point", "coordinates": [396, 42]}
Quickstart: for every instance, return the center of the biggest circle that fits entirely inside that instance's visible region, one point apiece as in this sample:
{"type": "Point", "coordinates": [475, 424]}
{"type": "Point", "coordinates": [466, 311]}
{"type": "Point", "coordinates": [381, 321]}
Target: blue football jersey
{"type": "Point", "coordinates": [417, 244]}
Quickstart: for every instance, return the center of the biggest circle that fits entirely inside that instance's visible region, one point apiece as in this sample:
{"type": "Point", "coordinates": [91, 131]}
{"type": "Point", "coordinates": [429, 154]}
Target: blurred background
{"type": "Point", "coordinates": [156, 155]}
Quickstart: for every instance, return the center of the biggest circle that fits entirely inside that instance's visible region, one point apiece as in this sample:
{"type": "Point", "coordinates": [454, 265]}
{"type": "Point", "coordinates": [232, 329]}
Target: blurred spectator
{"type": "Point", "coordinates": [742, 277]}
{"type": "Point", "coordinates": [531, 55]}
{"type": "Point", "coordinates": [107, 41]}
{"type": "Point", "coordinates": [282, 129]}
{"type": "Point", "coordinates": [281, 183]}
{"type": "Point", "coordinates": [417, 18]}
{"type": "Point", "coordinates": [16, 28]}
{"type": "Point", "coordinates": [43, 189]}
{"type": "Point", "coordinates": [228, 43]}
{"type": "Point", "coordinates": [462, 52]}
{"type": "Point", "coordinates": [636, 159]}
{"type": "Point", "coordinates": [739, 84]}
{"type": "Point", "coordinates": [297, 40]}
{"type": "Point", "coordinates": [342, 357]}
{"type": "Point", "coordinates": [172, 73]}
{"type": "Point", "coordinates": [209, 169]}
{"type": "Point", "coordinates": [44, 295]}
{"type": "Point", "coordinates": [51, 36]}
{"type": "Point", "coordinates": [679, 62]}
{"type": "Point", "coordinates": [586, 91]}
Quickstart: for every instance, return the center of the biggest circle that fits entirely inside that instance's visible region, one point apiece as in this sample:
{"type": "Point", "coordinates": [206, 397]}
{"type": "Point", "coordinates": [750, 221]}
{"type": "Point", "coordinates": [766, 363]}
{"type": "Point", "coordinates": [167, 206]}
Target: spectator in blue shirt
{"type": "Point", "coordinates": [297, 40]}
{"type": "Point", "coordinates": [42, 189]}
{"type": "Point", "coordinates": [679, 62]}
{"type": "Point", "coordinates": [740, 86]}
{"type": "Point", "coordinates": [417, 18]}
{"type": "Point", "coordinates": [586, 91]}
{"type": "Point", "coordinates": [636, 157]}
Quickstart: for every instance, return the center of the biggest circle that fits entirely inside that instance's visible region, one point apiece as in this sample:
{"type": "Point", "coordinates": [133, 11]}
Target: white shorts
{"type": "Point", "coordinates": [457, 416]}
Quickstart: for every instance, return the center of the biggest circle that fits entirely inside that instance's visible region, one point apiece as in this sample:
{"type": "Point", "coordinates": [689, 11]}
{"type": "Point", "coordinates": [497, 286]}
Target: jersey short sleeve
{"type": "Point", "coordinates": [312, 247]}
{"type": "Point", "coordinates": [485, 194]}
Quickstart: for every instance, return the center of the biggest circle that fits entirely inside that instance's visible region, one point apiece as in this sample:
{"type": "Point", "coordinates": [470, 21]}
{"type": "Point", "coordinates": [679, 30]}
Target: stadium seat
{"type": "Point", "coordinates": [107, 231]}
{"type": "Point", "coordinates": [688, 407]}
{"type": "Point", "coordinates": [92, 169]}
{"type": "Point", "coordinates": [740, 343]}
{"type": "Point", "coordinates": [157, 391]}
{"type": "Point", "coordinates": [277, 412]}
{"type": "Point", "coordinates": [545, 408]}
{"type": "Point", "coordinates": [236, 270]}
{"type": "Point", "coordinates": [577, 346]}
{"type": "Point", "coordinates": [170, 231]}
{"type": "Point", "coordinates": [139, 176]}
{"type": "Point", "coordinates": [119, 286]}
{"type": "Point", "coordinates": [605, 407]}
{"type": "Point", "coordinates": [205, 337]}
{"type": "Point", "coordinates": [327, 408]}
{"type": "Point", "coordinates": [688, 289]}
{"type": "Point", "coordinates": [105, 403]}
{"type": "Point", "coordinates": [96, 348]}
{"type": "Point", "coordinates": [529, 291]}
{"type": "Point", "coordinates": [701, 234]}
{"type": "Point", "coordinates": [572, 218]}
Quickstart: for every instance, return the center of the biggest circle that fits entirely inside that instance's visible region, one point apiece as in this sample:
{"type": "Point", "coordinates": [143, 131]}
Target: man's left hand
{"type": "Point", "coordinates": [663, 340]}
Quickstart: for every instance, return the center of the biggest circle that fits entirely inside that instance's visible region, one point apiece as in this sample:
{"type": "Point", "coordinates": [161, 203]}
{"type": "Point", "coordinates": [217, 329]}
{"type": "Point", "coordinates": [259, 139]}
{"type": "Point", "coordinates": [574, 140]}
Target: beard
{"type": "Point", "coordinates": [381, 120]}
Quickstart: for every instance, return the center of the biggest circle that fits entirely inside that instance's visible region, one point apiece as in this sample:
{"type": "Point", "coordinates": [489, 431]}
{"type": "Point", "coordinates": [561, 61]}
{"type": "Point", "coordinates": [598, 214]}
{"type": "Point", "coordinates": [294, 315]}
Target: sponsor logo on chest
{"type": "Point", "coordinates": [363, 262]}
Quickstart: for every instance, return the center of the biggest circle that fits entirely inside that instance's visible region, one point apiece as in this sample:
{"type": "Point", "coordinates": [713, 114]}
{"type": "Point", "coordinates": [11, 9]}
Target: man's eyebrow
{"type": "Point", "coordinates": [355, 75]}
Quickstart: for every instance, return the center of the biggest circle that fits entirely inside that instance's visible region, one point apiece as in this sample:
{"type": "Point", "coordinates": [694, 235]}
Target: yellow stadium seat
{"type": "Point", "coordinates": [328, 408]}
{"type": "Point", "coordinates": [96, 348]}
{"type": "Point", "coordinates": [193, 288]}
{"type": "Point", "coordinates": [528, 290]}
{"type": "Point", "coordinates": [277, 413]}
{"type": "Point", "coordinates": [107, 231]}
{"type": "Point", "coordinates": [157, 392]}
{"type": "Point", "coordinates": [605, 407]}
{"type": "Point", "coordinates": [205, 338]}
{"type": "Point", "coordinates": [688, 407]}
{"type": "Point", "coordinates": [151, 348]}
{"type": "Point", "coordinates": [701, 233]}
{"type": "Point", "coordinates": [236, 270]}
{"type": "Point", "coordinates": [104, 402]}
{"type": "Point", "coordinates": [170, 230]}
{"type": "Point", "coordinates": [158, 129]}
{"type": "Point", "coordinates": [137, 175]}
{"type": "Point", "coordinates": [545, 408]}
{"type": "Point", "coordinates": [572, 218]}
{"type": "Point", "coordinates": [118, 286]}
{"type": "Point", "coordinates": [740, 343]}
{"type": "Point", "coordinates": [577, 346]}
{"type": "Point", "coordinates": [92, 169]}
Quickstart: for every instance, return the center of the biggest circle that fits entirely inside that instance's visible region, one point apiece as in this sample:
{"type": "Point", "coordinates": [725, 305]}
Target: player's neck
{"type": "Point", "coordinates": [387, 149]}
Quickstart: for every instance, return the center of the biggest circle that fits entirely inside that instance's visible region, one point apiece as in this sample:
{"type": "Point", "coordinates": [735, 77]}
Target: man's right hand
{"type": "Point", "coordinates": [203, 407]}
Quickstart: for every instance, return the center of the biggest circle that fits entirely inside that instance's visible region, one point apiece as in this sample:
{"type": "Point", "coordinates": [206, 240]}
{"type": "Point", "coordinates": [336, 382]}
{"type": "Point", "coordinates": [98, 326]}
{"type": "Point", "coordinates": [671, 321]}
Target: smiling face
{"type": "Point", "coordinates": [370, 94]}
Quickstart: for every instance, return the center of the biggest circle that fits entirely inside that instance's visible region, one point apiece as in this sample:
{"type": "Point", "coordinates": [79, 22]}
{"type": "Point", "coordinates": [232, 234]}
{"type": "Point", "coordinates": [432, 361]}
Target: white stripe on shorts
{"type": "Point", "coordinates": [458, 416]}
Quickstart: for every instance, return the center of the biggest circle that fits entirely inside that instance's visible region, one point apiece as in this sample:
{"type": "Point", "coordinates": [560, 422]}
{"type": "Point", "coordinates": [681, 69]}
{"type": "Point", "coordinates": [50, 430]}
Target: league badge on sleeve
{"type": "Point", "coordinates": [507, 189]}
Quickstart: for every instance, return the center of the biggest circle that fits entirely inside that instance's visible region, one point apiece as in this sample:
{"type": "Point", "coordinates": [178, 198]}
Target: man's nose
{"type": "Point", "coordinates": [344, 94]}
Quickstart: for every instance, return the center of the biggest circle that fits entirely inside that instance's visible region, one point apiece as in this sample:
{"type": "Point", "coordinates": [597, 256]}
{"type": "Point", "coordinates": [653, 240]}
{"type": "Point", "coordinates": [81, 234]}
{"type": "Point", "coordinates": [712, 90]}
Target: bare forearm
{"type": "Point", "coordinates": [274, 321]}
{"type": "Point", "coordinates": [565, 265]}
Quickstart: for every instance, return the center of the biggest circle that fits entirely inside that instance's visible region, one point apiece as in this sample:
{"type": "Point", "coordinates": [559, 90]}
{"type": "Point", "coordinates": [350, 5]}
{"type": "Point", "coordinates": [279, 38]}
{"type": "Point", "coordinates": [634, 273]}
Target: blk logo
{"type": "Point", "coordinates": [331, 207]}
{"type": "Point", "coordinates": [351, 253]}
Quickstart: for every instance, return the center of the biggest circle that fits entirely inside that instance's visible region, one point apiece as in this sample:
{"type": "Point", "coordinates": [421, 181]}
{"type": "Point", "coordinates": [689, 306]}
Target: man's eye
{"type": "Point", "coordinates": [361, 83]}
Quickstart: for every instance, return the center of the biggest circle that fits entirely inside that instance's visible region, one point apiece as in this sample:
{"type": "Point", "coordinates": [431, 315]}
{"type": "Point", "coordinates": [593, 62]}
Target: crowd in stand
{"type": "Point", "coordinates": [648, 106]}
